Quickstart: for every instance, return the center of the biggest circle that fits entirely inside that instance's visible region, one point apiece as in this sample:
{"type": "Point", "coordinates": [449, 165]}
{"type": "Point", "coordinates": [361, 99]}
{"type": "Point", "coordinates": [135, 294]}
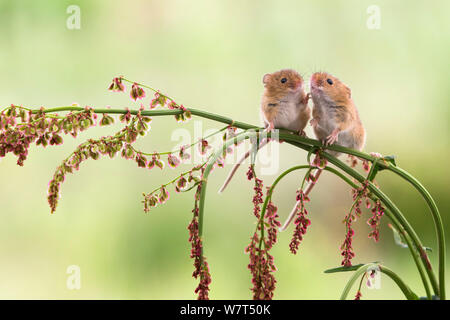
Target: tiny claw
{"type": "Point", "coordinates": [332, 138]}
{"type": "Point", "coordinates": [306, 99]}
{"type": "Point", "coordinates": [376, 155]}
{"type": "Point", "coordinates": [271, 127]}
{"type": "Point", "coordinates": [314, 122]}
{"type": "Point", "coordinates": [302, 133]}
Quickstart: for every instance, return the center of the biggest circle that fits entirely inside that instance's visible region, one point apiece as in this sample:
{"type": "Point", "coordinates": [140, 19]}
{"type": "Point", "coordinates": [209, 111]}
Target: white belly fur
{"type": "Point", "coordinates": [288, 117]}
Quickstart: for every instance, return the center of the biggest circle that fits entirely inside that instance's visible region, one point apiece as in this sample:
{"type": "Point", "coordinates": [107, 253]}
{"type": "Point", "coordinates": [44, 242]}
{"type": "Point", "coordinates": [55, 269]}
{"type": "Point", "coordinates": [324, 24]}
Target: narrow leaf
{"type": "Point", "coordinates": [344, 269]}
{"type": "Point", "coordinates": [390, 159]}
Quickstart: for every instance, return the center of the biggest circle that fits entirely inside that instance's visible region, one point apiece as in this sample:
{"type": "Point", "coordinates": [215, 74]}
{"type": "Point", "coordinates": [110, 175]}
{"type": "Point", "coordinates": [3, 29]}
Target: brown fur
{"type": "Point", "coordinates": [333, 111]}
{"type": "Point", "coordinates": [277, 93]}
{"type": "Point", "coordinates": [283, 106]}
{"type": "Point", "coordinates": [339, 112]}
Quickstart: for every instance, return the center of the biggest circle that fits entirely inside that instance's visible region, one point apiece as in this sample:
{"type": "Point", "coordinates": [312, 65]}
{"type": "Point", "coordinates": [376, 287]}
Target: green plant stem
{"type": "Point", "coordinates": [395, 222]}
{"type": "Point", "coordinates": [415, 255]}
{"type": "Point", "coordinates": [285, 173]}
{"type": "Point", "coordinates": [437, 223]}
{"type": "Point", "coordinates": [396, 212]}
{"type": "Point", "coordinates": [272, 187]}
{"type": "Point", "coordinates": [156, 113]}
{"type": "Point", "coordinates": [236, 139]}
{"type": "Point", "coordinates": [179, 149]}
{"type": "Point", "coordinates": [363, 269]}
{"type": "Point", "coordinates": [307, 144]}
{"type": "Point", "coordinates": [399, 220]}
{"type": "Point", "coordinates": [175, 179]}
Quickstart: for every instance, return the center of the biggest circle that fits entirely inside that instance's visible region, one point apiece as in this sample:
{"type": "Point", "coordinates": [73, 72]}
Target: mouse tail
{"type": "Point", "coordinates": [238, 164]}
{"type": "Point", "coordinates": [290, 218]}
{"type": "Point", "coordinates": [294, 209]}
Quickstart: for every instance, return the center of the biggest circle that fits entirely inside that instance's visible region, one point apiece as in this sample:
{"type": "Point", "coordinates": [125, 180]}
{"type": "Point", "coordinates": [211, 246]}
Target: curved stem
{"type": "Point", "coordinates": [399, 218]}
{"type": "Point", "coordinates": [363, 269]}
{"type": "Point", "coordinates": [401, 284]}
{"type": "Point", "coordinates": [437, 223]}
{"type": "Point", "coordinates": [398, 215]}
{"type": "Point", "coordinates": [282, 175]}
{"type": "Point", "coordinates": [156, 113]}
{"type": "Point", "coordinates": [274, 184]}
{"type": "Point", "coordinates": [238, 138]}
{"type": "Point", "coordinates": [397, 224]}
{"type": "Point", "coordinates": [307, 144]}
{"type": "Point", "coordinates": [179, 149]}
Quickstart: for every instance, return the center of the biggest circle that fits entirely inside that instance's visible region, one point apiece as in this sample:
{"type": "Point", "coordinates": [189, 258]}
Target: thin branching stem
{"type": "Point", "coordinates": [394, 214]}
{"type": "Point", "coordinates": [308, 144]}
{"type": "Point", "coordinates": [363, 269]}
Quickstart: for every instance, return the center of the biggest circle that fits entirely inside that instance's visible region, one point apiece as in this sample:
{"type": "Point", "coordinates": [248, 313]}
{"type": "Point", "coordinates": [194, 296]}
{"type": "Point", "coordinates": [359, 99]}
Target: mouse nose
{"type": "Point", "coordinates": [316, 80]}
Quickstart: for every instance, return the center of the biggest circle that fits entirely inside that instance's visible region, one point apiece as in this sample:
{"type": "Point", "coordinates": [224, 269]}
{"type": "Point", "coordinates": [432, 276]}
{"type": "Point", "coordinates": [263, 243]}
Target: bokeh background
{"type": "Point", "coordinates": [212, 55]}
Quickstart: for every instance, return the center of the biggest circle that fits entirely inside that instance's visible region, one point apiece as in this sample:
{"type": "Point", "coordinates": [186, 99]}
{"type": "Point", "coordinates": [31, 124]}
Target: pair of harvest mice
{"type": "Point", "coordinates": [284, 105]}
{"type": "Point", "coordinates": [335, 117]}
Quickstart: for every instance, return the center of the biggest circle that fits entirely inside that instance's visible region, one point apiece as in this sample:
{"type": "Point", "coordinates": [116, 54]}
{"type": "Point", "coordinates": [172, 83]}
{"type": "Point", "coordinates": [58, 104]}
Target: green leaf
{"type": "Point", "coordinates": [390, 159]}
{"type": "Point", "coordinates": [345, 269]}
{"type": "Point", "coordinates": [373, 171]}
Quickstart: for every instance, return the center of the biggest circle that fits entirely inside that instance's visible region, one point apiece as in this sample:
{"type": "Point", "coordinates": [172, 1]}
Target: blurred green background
{"type": "Point", "coordinates": [212, 55]}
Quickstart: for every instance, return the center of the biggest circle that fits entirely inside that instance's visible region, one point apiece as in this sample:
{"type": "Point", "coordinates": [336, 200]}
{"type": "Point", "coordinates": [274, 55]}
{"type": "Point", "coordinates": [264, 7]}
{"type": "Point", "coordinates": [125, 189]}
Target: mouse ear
{"type": "Point", "coordinates": [266, 78]}
{"type": "Point", "coordinates": [349, 92]}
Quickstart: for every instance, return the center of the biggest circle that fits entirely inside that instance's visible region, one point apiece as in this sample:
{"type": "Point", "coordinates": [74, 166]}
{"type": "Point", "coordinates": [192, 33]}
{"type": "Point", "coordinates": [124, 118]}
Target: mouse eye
{"type": "Point", "coordinates": [283, 80]}
{"type": "Point", "coordinates": [330, 81]}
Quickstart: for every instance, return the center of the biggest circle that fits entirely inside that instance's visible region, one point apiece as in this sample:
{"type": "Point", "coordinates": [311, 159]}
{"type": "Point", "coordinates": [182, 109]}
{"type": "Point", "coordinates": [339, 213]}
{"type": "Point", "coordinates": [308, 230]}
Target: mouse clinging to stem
{"type": "Point", "coordinates": [335, 117]}
{"type": "Point", "coordinates": [284, 102]}
{"type": "Point", "coordinates": [284, 105]}
{"type": "Point", "coordinates": [335, 120]}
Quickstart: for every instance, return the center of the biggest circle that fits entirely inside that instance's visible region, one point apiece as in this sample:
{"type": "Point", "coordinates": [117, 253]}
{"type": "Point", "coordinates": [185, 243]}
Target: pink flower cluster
{"type": "Point", "coordinates": [180, 184]}
{"type": "Point", "coordinates": [301, 222]}
{"type": "Point", "coordinates": [117, 85]}
{"type": "Point", "coordinates": [262, 264]}
{"type": "Point", "coordinates": [353, 161]}
{"type": "Point", "coordinates": [261, 267]}
{"type": "Point", "coordinates": [16, 137]}
{"type": "Point", "coordinates": [377, 211]}
{"type": "Point", "coordinates": [203, 146]}
{"type": "Point", "coordinates": [93, 149]}
{"type": "Point", "coordinates": [200, 264]}
{"type": "Point", "coordinates": [137, 92]}
{"type": "Point", "coordinates": [346, 247]}
{"type": "Point", "coordinates": [374, 220]}
{"type": "Point", "coordinates": [319, 162]}
{"type": "Point", "coordinates": [159, 99]}
{"type": "Point", "coordinates": [257, 198]}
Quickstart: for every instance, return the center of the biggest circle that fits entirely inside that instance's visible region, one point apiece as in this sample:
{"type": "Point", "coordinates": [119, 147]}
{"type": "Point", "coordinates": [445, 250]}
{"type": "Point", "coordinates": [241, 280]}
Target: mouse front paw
{"type": "Point", "coordinates": [332, 138]}
{"type": "Point", "coordinates": [314, 122]}
{"type": "Point", "coordinates": [376, 155]}
{"type": "Point", "coordinates": [306, 99]}
{"type": "Point", "coordinates": [270, 127]}
{"type": "Point", "coordinates": [302, 133]}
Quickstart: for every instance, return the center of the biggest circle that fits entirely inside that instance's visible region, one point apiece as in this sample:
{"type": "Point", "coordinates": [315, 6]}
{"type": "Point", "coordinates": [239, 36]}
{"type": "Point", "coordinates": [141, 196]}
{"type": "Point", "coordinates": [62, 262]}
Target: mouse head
{"type": "Point", "coordinates": [283, 82]}
{"type": "Point", "coordinates": [324, 85]}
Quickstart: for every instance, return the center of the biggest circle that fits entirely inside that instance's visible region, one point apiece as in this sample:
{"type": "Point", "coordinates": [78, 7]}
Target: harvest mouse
{"type": "Point", "coordinates": [284, 105]}
{"type": "Point", "coordinates": [335, 120]}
